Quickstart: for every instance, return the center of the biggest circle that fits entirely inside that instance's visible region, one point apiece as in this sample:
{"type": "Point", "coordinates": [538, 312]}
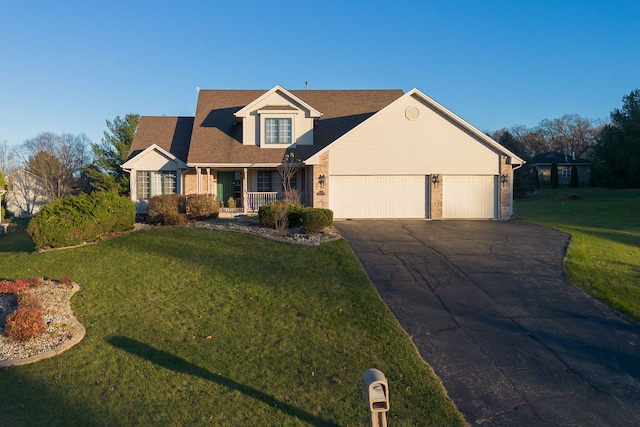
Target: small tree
{"type": "Point", "coordinates": [287, 170]}
{"type": "Point", "coordinates": [575, 181]}
{"type": "Point", "coordinates": [553, 180]}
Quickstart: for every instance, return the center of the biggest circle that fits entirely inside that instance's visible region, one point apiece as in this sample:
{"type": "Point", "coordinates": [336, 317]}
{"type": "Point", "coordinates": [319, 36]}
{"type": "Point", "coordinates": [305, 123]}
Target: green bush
{"type": "Point", "coordinates": [314, 220]}
{"type": "Point", "coordinates": [81, 218]}
{"type": "Point", "coordinates": [295, 215]}
{"type": "Point", "coordinates": [199, 206]}
{"type": "Point", "coordinates": [168, 209]}
{"type": "Point", "coordinates": [329, 214]}
{"type": "Point", "coordinates": [267, 215]}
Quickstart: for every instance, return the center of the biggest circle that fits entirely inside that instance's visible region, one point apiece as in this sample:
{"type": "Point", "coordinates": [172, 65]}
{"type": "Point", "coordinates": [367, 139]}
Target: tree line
{"type": "Point", "coordinates": [54, 166]}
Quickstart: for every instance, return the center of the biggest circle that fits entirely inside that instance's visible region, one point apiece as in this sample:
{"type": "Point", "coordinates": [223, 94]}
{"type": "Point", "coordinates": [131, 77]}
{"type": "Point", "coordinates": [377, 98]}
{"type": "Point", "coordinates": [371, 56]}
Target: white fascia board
{"type": "Point", "coordinates": [244, 112]}
{"type": "Point", "coordinates": [466, 125]}
{"type": "Point", "coordinates": [129, 164]}
{"type": "Point", "coordinates": [233, 165]}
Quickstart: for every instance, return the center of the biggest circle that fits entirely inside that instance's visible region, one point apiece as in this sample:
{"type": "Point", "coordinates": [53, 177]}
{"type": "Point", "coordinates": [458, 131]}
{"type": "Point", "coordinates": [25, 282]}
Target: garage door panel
{"type": "Point", "coordinates": [469, 197]}
{"type": "Point", "coordinates": [378, 196]}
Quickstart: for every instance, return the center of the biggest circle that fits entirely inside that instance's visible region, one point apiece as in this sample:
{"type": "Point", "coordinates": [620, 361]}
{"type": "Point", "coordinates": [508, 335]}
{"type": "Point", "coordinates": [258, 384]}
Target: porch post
{"type": "Point", "coordinates": [198, 178]}
{"type": "Point", "coordinates": [245, 200]}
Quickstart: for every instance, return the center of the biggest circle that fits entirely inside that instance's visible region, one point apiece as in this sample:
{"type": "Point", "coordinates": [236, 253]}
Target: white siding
{"type": "Point", "coordinates": [389, 143]}
{"type": "Point", "coordinates": [154, 161]}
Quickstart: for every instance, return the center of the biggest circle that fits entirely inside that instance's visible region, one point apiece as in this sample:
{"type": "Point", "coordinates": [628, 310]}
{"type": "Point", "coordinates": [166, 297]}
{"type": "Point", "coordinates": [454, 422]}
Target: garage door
{"type": "Point", "coordinates": [378, 196]}
{"type": "Point", "coordinates": [472, 197]}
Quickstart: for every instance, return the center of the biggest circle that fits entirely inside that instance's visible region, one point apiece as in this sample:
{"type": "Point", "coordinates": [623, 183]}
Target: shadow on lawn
{"type": "Point", "coordinates": [178, 364]}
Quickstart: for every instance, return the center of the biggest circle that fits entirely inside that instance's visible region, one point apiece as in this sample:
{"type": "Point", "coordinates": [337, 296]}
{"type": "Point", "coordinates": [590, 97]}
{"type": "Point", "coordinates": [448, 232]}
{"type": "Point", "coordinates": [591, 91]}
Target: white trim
{"type": "Point", "coordinates": [244, 112]}
{"type": "Point", "coordinates": [234, 165]}
{"type": "Point", "coordinates": [315, 159]}
{"type": "Point", "coordinates": [130, 164]}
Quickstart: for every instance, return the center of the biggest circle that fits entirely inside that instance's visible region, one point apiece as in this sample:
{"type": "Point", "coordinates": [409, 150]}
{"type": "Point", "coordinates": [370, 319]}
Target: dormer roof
{"type": "Point", "coordinates": [244, 112]}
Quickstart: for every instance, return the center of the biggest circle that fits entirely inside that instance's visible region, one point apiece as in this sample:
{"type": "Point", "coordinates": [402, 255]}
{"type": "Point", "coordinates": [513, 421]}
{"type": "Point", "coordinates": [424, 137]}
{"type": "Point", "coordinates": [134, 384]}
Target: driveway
{"type": "Point", "coordinates": [488, 307]}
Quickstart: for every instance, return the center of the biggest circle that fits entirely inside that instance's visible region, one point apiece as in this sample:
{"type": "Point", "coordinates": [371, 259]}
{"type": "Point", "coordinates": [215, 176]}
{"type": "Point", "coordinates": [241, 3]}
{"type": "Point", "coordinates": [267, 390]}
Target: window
{"type": "Point", "coordinates": [270, 181]}
{"type": "Point", "coordinates": [264, 181]}
{"type": "Point", "coordinates": [152, 183]}
{"type": "Point", "coordinates": [277, 131]}
{"type": "Point", "coordinates": [566, 173]}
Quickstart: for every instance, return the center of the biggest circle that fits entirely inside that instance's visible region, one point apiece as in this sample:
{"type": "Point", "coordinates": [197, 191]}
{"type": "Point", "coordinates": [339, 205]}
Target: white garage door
{"type": "Point", "coordinates": [472, 197]}
{"type": "Point", "coordinates": [378, 196]}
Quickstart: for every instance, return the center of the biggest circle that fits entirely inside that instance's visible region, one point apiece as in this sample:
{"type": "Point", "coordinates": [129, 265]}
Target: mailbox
{"type": "Point", "coordinates": [376, 390]}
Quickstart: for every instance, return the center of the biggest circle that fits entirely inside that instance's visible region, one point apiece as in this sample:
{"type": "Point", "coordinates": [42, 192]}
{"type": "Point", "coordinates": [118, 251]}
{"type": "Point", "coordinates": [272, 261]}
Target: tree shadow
{"type": "Point", "coordinates": [178, 364]}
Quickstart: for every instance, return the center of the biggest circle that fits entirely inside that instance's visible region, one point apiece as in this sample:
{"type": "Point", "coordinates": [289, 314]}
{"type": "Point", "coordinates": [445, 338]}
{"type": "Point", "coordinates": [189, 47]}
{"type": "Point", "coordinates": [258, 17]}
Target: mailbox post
{"type": "Point", "coordinates": [376, 396]}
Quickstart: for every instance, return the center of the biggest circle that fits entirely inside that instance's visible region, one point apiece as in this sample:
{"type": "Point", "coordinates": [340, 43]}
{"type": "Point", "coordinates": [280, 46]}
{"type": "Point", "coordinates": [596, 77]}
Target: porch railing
{"type": "Point", "coordinates": [257, 199]}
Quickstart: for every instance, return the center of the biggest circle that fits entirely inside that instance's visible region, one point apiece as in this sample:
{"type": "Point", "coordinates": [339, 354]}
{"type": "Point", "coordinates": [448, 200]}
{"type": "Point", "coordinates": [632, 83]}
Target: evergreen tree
{"type": "Point", "coordinates": [575, 181]}
{"type": "Point", "coordinates": [554, 175]}
{"type": "Point", "coordinates": [106, 173]}
{"type": "Point", "coordinates": [616, 157]}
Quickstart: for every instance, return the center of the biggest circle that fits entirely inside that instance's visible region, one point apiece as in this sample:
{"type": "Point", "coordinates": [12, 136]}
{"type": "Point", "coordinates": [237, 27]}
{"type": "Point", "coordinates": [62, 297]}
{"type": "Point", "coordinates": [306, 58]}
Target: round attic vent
{"type": "Point", "coordinates": [412, 113]}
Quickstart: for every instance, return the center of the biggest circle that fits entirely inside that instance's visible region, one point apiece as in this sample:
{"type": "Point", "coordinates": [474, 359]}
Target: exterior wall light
{"type": "Point", "coordinates": [435, 179]}
{"type": "Point", "coordinates": [504, 179]}
{"type": "Point", "coordinates": [321, 180]}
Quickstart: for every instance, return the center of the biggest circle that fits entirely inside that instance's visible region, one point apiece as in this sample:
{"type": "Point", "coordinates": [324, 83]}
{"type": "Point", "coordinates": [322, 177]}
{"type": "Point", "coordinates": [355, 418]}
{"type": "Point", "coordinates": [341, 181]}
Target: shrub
{"type": "Point", "coordinates": [66, 280]}
{"type": "Point", "coordinates": [281, 216]}
{"type": "Point", "coordinates": [294, 216]}
{"type": "Point", "coordinates": [267, 215]}
{"type": "Point", "coordinates": [167, 209]}
{"type": "Point", "coordinates": [35, 282]}
{"type": "Point", "coordinates": [81, 218]}
{"type": "Point", "coordinates": [329, 214]}
{"type": "Point", "coordinates": [231, 203]}
{"type": "Point", "coordinates": [7, 287]}
{"type": "Point", "coordinates": [314, 220]}
{"type": "Point", "coordinates": [25, 323]}
{"type": "Point", "coordinates": [202, 205]}
{"type": "Point", "coordinates": [26, 300]}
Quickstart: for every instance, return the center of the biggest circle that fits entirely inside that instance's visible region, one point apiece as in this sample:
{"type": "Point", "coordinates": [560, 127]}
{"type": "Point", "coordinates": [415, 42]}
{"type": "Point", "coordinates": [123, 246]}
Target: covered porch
{"type": "Point", "coordinates": [245, 190]}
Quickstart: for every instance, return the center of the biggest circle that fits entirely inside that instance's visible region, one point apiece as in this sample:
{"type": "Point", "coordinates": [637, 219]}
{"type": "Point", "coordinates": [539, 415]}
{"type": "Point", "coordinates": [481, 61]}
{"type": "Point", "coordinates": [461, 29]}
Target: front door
{"type": "Point", "coordinates": [228, 186]}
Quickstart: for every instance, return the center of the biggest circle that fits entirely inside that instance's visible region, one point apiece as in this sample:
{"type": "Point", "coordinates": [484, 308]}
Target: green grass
{"type": "Point", "coordinates": [189, 326]}
{"type": "Point", "coordinates": [603, 256]}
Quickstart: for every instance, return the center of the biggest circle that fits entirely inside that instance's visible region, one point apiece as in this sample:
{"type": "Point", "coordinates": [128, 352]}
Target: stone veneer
{"type": "Point", "coordinates": [435, 197]}
{"type": "Point", "coordinates": [505, 189]}
{"type": "Point", "coordinates": [321, 194]}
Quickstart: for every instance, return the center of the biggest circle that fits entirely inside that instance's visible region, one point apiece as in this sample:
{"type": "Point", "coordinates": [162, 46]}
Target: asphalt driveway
{"type": "Point", "coordinates": [488, 307]}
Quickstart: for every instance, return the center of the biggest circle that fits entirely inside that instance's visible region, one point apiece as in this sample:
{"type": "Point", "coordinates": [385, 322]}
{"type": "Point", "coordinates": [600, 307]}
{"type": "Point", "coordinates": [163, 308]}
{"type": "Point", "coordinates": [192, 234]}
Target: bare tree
{"type": "Point", "coordinates": [287, 170]}
{"type": "Point", "coordinates": [58, 160]}
{"type": "Point", "coordinates": [8, 158]}
{"type": "Point", "coordinates": [570, 133]}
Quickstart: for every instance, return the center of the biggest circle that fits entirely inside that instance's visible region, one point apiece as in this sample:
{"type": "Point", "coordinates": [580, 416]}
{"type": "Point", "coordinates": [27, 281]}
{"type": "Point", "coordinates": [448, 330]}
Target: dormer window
{"type": "Point", "coordinates": [278, 130]}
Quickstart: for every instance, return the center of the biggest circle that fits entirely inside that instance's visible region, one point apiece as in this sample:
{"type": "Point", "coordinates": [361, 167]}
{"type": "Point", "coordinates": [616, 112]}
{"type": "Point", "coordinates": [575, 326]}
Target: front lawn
{"type": "Point", "coordinates": [603, 256]}
{"type": "Point", "coordinates": [189, 326]}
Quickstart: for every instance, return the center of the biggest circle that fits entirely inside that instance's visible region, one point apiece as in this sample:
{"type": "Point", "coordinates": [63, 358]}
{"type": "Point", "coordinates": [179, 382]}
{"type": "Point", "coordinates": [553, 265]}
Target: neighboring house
{"type": "Point", "coordinates": [542, 163]}
{"type": "Point", "coordinates": [362, 154]}
{"type": "Point", "coordinates": [26, 193]}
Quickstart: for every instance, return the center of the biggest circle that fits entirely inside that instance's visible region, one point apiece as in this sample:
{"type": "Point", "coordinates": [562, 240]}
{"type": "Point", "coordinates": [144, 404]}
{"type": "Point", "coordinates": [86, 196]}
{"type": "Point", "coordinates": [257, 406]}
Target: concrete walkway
{"type": "Point", "coordinates": [488, 307]}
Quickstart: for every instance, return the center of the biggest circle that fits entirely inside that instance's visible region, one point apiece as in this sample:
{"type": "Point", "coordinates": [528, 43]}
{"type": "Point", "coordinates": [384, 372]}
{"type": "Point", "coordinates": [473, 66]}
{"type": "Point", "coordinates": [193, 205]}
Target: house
{"type": "Point", "coordinates": [542, 162]}
{"type": "Point", "coordinates": [26, 193]}
{"type": "Point", "coordinates": [361, 153]}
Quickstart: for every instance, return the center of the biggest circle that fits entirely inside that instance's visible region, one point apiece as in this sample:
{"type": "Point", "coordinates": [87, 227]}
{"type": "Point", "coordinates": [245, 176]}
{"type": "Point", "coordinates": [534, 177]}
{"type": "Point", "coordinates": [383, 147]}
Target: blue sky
{"type": "Point", "coordinates": [67, 66]}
